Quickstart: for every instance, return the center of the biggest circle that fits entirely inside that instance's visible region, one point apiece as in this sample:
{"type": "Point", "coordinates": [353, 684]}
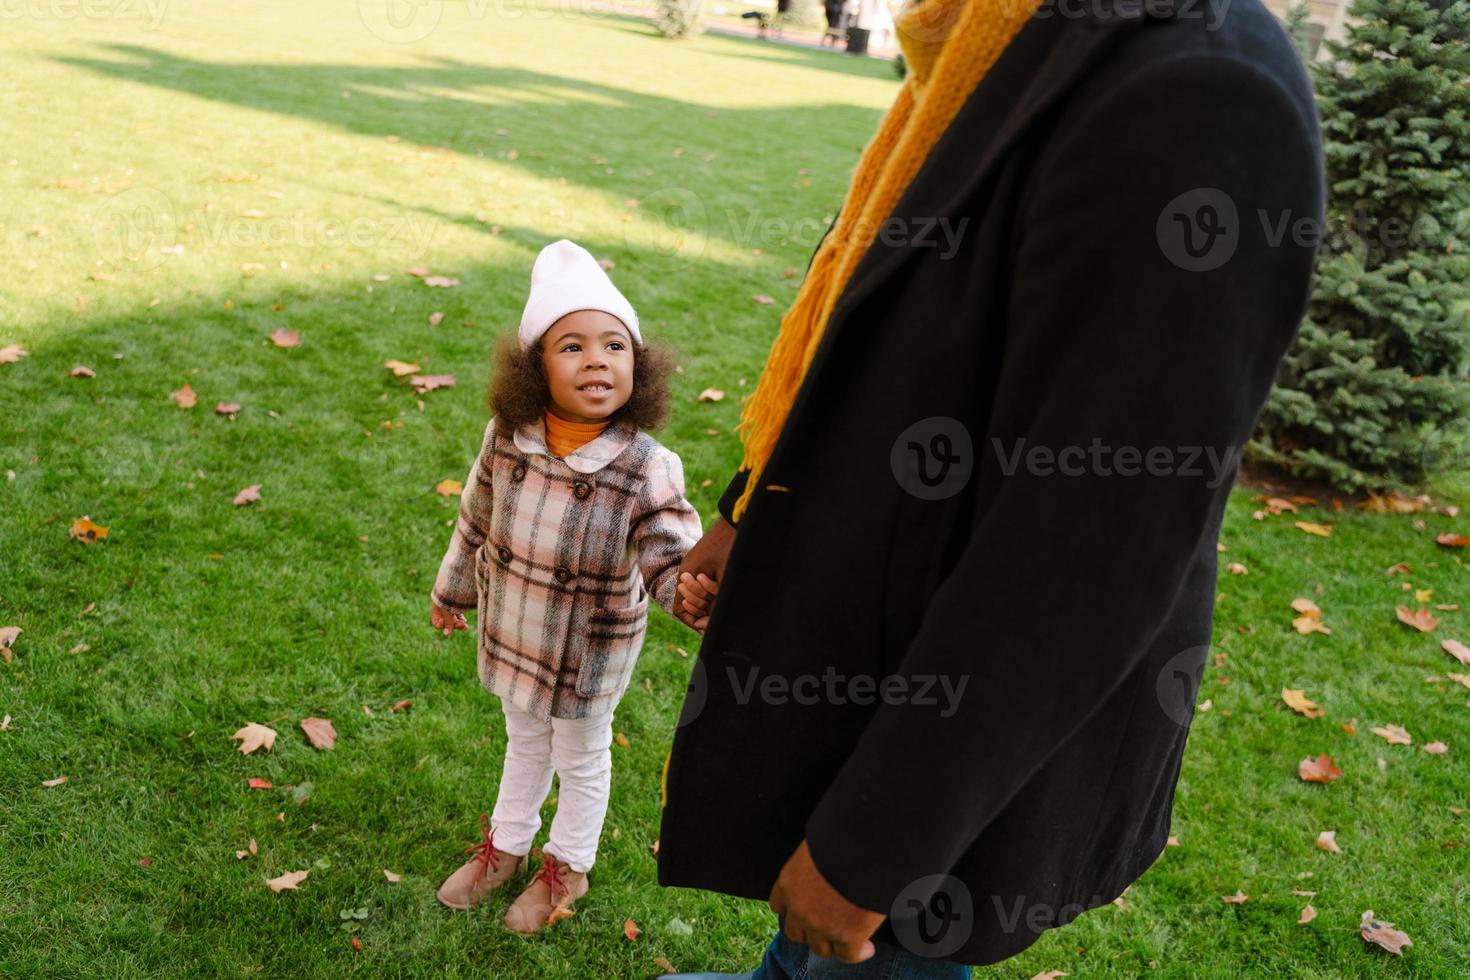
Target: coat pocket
{"type": "Point", "coordinates": [613, 640]}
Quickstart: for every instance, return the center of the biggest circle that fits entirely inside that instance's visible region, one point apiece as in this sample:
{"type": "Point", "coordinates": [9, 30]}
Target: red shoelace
{"type": "Point", "coordinates": [550, 874]}
{"type": "Point", "coordinates": [485, 850]}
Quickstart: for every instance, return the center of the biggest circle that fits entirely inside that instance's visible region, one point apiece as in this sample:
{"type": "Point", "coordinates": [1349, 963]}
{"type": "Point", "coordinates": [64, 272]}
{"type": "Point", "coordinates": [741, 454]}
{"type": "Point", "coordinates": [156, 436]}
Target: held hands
{"type": "Point", "coordinates": [700, 573]}
{"type": "Point", "coordinates": [818, 916]}
{"type": "Point", "coordinates": [696, 599]}
{"type": "Point", "coordinates": [446, 619]}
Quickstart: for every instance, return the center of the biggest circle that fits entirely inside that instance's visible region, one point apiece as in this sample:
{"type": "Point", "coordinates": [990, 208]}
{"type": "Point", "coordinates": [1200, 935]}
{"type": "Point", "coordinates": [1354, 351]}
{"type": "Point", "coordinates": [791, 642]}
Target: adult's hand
{"type": "Point", "coordinates": [707, 557]}
{"type": "Point", "coordinates": [817, 915]}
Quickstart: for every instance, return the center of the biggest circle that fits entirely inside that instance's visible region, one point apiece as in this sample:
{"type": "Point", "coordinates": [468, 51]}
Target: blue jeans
{"type": "Point", "coordinates": [786, 959]}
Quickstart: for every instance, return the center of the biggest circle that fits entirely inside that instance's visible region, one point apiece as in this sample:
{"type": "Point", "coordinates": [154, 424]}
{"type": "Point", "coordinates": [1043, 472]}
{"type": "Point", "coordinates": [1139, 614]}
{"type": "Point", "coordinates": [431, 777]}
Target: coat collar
{"type": "Point", "coordinates": [1044, 60]}
{"type": "Point", "coordinates": [531, 438]}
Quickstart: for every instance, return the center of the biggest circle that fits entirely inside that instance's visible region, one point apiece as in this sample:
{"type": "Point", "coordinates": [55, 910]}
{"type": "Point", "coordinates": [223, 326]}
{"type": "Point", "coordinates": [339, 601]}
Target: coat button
{"type": "Point", "coordinates": [581, 488]}
{"type": "Point", "coordinates": [518, 473]}
{"type": "Point", "coordinates": [563, 574]}
{"type": "Point", "coordinates": [504, 555]}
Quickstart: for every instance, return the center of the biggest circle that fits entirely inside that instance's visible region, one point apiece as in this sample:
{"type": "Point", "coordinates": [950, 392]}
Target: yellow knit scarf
{"type": "Point", "coordinates": [948, 45]}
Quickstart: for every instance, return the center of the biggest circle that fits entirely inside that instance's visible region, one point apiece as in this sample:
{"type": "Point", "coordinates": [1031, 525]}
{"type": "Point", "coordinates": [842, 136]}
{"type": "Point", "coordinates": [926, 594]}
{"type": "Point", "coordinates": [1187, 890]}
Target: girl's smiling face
{"type": "Point", "coordinates": [588, 356]}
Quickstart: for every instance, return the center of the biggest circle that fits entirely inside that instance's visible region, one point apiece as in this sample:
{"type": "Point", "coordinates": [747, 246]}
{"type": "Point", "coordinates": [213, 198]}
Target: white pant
{"type": "Point", "coordinates": [579, 751]}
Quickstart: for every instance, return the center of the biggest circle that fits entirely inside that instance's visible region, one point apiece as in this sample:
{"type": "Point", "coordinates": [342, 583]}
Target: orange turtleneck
{"type": "Point", "coordinates": [563, 437]}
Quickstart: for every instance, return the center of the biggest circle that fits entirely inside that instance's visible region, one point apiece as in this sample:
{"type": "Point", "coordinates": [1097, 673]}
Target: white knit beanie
{"type": "Point", "coordinates": [566, 278]}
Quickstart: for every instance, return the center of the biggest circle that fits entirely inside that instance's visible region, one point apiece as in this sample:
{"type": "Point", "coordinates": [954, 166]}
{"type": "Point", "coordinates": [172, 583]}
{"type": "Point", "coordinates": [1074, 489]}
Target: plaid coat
{"type": "Point", "coordinates": [560, 556]}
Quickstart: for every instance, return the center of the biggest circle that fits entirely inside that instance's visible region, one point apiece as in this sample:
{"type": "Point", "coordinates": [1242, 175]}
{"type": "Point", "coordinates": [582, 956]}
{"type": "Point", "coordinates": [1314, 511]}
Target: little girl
{"type": "Point", "coordinates": [571, 518]}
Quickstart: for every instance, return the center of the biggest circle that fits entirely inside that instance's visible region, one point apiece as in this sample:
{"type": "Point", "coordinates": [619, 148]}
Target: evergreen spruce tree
{"type": "Point", "coordinates": [1375, 391]}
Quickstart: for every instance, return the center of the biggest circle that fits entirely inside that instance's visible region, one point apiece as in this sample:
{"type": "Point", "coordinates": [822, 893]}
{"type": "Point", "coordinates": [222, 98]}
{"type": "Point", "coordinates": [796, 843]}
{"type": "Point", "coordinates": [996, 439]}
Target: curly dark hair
{"type": "Point", "coordinates": [519, 393]}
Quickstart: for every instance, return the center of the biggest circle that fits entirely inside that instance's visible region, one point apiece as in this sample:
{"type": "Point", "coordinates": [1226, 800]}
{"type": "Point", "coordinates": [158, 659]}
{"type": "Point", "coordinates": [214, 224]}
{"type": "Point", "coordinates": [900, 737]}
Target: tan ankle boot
{"type": "Point", "coordinates": [482, 874]}
{"type": "Point", "coordinates": [548, 898]}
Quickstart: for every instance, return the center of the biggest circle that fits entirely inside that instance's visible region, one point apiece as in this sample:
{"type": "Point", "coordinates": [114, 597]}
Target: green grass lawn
{"type": "Point", "coordinates": [173, 191]}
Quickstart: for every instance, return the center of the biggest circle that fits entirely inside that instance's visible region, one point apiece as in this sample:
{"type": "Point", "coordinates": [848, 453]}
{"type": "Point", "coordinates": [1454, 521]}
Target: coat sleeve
{"type": "Point", "coordinates": [1072, 558]}
{"type": "Point", "coordinates": [664, 527]}
{"type": "Point", "coordinates": [732, 493]}
{"type": "Point", "coordinates": [454, 586]}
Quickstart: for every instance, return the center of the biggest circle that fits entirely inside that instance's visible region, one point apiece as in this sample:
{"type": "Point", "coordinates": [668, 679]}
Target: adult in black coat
{"type": "Point", "coordinates": [944, 690]}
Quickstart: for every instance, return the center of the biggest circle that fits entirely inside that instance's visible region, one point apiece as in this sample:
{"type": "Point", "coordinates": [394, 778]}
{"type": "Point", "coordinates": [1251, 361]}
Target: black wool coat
{"type": "Point", "coordinates": [960, 633]}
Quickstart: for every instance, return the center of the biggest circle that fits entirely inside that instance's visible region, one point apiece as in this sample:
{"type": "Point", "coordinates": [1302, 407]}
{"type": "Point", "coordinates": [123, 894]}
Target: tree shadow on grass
{"type": "Point", "coordinates": [554, 122]}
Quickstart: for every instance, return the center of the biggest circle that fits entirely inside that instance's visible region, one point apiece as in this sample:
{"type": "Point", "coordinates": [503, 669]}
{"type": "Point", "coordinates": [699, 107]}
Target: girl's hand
{"type": "Point", "coordinates": [706, 558]}
{"type": "Point", "coordinates": [446, 619]}
{"type": "Point", "coordinates": [697, 597]}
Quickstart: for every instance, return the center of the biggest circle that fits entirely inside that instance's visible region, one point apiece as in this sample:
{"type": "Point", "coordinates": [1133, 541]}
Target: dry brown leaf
{"type": "Point", "coordinates": [1421, 619]}
{"type": "Point", "coordinates": [607, 264]}
{"type": "Point", "coordinates": [7, 640]}
{"type": "Point", "coordinates": [248, 496]}
{"type": "Point", "coordinates": [1383, 934]}
{"type": "Point", "coordinates": [1402, 568]}
{"type": "Point", "coordinates": [1320, 530]}
{"type": "Point", "coordinates": [282, 337]}
{"type": "Point", "coordinates": [711, 395]}
{"type": "Point", "coordinates": [1310, 620]}
{"type": "Point", "coordinates": [1050, 975]}
{"type": "Point", "coordinates": [401, 369]}
{"type": "Point", "coordinates": [81, 371]}
{"type": "Point", "coordinates": [319, 732]}
{"type": "Point", "coordinates": [418, 271]}
{"type": "Point", "coordinates": [53, 782]}
{"type": "Point", "coordinates": [763, 299]}
{"type": "Point", "coordinates": [254, 736]}
{"type": "Point", "coordinates": [1327, 841]}
{"type": "Point", "coordinates": [1457, 650]}
{"type": "Point", "coordinates": [1236, 568]}
{"type": "Point", "coordinates": [1451, 540]}
{"type": "Point", "coordinates": [1173, 841]}
{"type": "Point", "coordinates": [1297, 701]}
{"type": "Point", "coordinates": [429, 382]}
{"type": "Point", "coordinates": [1394, 734]}
{"type": "Point", "coordinates": [289, 880]}
{"type": "Point", "coordinates": [663, 964]}
{"type": "Point", "coordinates": [391, 876]}
{"type": "Point", "coordinates": [226, 408]}
{"type": "Point", "coordinates": [630, 929]}
{"type": "Point", "coordinates": [249, 851]}
{"type": "Point", "coordinates": [1436, 748]}
{"type": "Point", "coordinates": [185, 397]}
{"type": "Point", "coordinates": [5, 724]}
{"type": "Point", "coordinates": [83, 530]}
{"type": "Point", "coordinates": [436, 318]}
{"type": "Point", "coordinates": [11, 353]}
{"type": "Point", "coordinates": [449, 488]}
{"type": "Point", "coordinates": [440, 282]}
{"type": "Point", "coordinates": [562, 910]}
{"type": "Point", "coordinates": [402, 705]}
{"type": "Point", "coordinates": [1318, 769]}
{"type": "Point", "coordinates": [1308, 914]}
{"type": "Point", "coordinates": [1239, 898]}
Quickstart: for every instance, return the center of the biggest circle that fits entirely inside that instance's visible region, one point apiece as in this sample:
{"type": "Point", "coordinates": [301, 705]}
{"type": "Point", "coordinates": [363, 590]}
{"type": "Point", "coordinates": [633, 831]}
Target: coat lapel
{"type": "Point", "coordinates": [531, 439]}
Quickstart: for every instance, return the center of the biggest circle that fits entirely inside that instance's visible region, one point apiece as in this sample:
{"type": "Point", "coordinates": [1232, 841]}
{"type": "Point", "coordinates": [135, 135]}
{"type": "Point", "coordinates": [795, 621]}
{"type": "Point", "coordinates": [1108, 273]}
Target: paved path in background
{"type": "Point", "coordinates": [795, 40]}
